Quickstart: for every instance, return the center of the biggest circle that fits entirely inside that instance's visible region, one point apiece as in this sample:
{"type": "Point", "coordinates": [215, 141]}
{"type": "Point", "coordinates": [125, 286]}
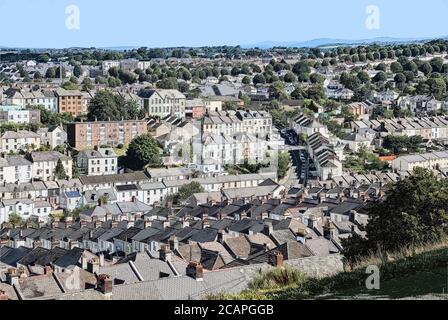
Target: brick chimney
{"type": "Point", "coordinates": [268, 228]}
{"type": "Point", "coordinates": [328, 229]}
{"type": "Point", "coordinates": [174, 243]}
{"type": "Point", "coordinates": [195, 271]}
{"type": "Point", "coordinates": [48, 270]}
{"type": "Point", "coordinates": [93, 266]}
{"type": "Point", "coordinates": [4, 296]}
{"type": "Point", "coordinates": [277, 259]}
{"type": "Point", "coordinates": [165, 253]}
{"type": "Point", "coordinates": [105, 284]}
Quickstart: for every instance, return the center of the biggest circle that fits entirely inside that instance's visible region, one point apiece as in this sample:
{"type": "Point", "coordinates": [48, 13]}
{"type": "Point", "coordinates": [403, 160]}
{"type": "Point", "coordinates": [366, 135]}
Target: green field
{"type": "Point", "coordinates": [424, 283]}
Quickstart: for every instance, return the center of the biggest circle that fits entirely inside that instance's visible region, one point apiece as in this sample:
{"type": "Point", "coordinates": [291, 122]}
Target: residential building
{"type": "Point", "coordinates": [71, 101]}
{"type": "Point", "coordinates": [97, 162]}
{"type": "Point", "coordinates": [15, 141]}
{"type": "Point", "coordinates": [82, 135]}
{"type": "Point", "coordinates": [53, 136]}
{"type": "Point", "coordinates": [162, 102]}
{"type": "Point", "coordinates": [15, 169]}
{"type": "Point", "coordinates": [16, 114]}
{"type": "Point", "coordinates": [44, 164]}
{"type": "Point", "coordinates": [433, 161]}
{"type": "Point", "coordinates": [304, 125]}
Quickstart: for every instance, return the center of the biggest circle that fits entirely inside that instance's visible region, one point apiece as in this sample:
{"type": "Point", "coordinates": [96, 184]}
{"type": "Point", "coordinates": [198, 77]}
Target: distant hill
{"type": "Point", "coordinates": [327, 42]}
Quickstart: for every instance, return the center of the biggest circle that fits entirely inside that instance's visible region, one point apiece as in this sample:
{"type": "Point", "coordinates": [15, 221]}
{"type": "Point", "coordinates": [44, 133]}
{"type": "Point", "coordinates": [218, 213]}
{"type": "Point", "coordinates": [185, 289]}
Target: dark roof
{"type": "Point", "coordinates": [128, 234]}
{"type": "Point", "coordinates": [345, 207]}
{"type": "Point", "coordinates": [126, 187]}
{"type": "Point", "coordinates": [204, 235]}
{"type": "Point", "coordinates": [33, 255]}
{"type": "Point", "coordinates": [70, 258]}
{"type": "Point", "coordinates": [51, 256]}
{"type": "Point", "coordinates": [13, 255]}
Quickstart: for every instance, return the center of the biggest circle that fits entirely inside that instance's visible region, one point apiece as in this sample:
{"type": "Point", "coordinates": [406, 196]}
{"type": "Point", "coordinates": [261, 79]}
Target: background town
{"type": "Point", "coordinates": [186, 173]}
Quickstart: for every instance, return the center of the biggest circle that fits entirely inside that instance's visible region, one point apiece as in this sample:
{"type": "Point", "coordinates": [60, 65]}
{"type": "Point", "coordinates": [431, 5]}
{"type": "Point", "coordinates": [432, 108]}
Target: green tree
{"type": "Point", "coordinates": [188, 190]}
{"type": "Point", "coordinates": [77, 70]}
{"type": "Point", "coordinates": [15, 219]}
{"type": "Point", "coordinates": [143, 151]}
{"type": "Point", "coordinates": [107, 105]}
{"type": "Point", "coordinates": [59, 171]}
{"type": "Point", "coordinates": [413, 212]}
{"type": "Point", "coordinates": [284, 162]}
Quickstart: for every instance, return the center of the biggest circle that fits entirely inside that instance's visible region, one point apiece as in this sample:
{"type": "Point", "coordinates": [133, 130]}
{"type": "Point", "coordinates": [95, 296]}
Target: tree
{"type": "Point", "coordinates": [107, 105]}
{"type": "Point", "coordinates": [425, 68]}
{"type": "Point", "coordinates": [15, 219]}
{"type": "Point", "coordinates": [77, 70]}
{"type": "Point", "coordinates": [143, 151]}
{"type": "Point", "coordinates": [398, 144]}
{"type": "Point", "coordinates": [290, 77]}
{"type": "Point", "coordinates": [246, 80]}
{"type": "Point", "coordinates": [396, 67]}
{"type": "Point", "coordinates": [50, 73]}
{"type": "Point", "coordinates": [59, 171]}
{"type": "Point", "coordinates": [284, 162]}
{"type": "Point", "coordinates": [413, 212]}
{"type": "Point", "coordinates": [380, 77]}
{"type": "Point", "coordinates": [437, 64]}
{"type": "Point", "coordinates": [188, 190]}
{"type": "Point", "coordinates": [259, 78]}
{"type": "Point", "coordinates": [58, 72]}
{"type": "Point", "coordinates": [317, 78]}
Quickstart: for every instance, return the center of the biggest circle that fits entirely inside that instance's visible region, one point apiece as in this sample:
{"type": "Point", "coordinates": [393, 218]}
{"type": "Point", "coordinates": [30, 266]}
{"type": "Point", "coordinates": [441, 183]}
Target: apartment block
{"type": "Point", "coordinates": [84, 135]}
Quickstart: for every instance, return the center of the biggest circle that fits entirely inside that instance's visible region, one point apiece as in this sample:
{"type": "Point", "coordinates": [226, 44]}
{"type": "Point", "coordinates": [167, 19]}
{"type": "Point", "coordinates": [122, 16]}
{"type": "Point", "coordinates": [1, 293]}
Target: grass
{"type": "Point", "coordinates": [409, 272]}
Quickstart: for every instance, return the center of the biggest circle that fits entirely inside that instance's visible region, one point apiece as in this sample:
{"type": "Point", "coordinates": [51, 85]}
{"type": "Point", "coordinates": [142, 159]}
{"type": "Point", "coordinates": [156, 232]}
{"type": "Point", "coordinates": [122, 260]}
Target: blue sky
{"type": "Point", "coordinates": [161, 23]}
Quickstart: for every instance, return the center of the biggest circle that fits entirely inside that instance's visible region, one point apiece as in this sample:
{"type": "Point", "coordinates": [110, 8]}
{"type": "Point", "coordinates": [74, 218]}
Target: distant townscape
{"type": "Point", "coordinates": [184, 173]}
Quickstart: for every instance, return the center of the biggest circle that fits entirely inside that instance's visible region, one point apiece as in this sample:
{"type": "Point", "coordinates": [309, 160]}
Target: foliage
{"type": "Point", "coordinates": [15, 219]}
{"type": "Point", "coordinates": [402, 144]}
{"type": "Point", "coordinates": [143, 151]}
{"type": "Point", "coordinates": [185, 192]}
{"type": "Point", "coordinates": [59, 171]}
{"type": "Point", "coordinates": [365, 161]}
{"type": "Point", "coordinates": [414, 212]}
{"type": "Point", "coordinates": [107, 105]}
{"type": "Point", "coordinates": [284, 162]}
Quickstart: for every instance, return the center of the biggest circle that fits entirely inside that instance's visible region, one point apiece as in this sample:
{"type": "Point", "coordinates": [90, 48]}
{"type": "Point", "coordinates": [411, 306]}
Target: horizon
{"type": "Point", "coordinates": [48, 24]}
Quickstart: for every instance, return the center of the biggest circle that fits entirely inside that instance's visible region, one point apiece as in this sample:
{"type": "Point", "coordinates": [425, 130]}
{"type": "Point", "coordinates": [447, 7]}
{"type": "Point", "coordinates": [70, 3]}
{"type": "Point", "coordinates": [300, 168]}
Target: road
{"type": "Point", "coordinates": [298, 166]}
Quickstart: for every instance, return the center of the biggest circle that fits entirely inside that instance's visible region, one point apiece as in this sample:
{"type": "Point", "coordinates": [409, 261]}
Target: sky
{"type": "Point", "coordinates": [169, 23]}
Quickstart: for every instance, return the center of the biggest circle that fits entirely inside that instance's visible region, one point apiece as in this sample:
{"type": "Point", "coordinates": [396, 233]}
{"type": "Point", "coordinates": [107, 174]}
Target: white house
{"type": "Point", "coordinates": [103, 161]}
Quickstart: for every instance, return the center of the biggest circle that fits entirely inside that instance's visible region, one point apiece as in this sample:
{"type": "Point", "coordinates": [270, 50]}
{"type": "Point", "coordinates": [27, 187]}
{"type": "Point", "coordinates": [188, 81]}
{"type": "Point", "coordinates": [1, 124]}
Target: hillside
{"type": "Point", "coordinates": [419, 272]}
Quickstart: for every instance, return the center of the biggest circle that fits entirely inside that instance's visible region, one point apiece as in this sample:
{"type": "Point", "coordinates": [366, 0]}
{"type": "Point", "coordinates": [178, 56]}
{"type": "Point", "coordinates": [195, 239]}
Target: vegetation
{"type": "Point", "coordinates": [143, 152]}
{"type": "Point", "coordinates": [365, 161]}
{"type": "Point", "coordinates": [185, 192]}
{"type": "Point", "coordinates": [413, 212]}
{"type": "Point", "coordinates": [284, 162]}
{"type": "Point", "coordinates": [106, 105]}
{"type": "Point", "coordinates": [406, 271]}
{"type": "Point", "coordinates": [60, 171]}
{"type": "Point", "coordinates": [402, 144]}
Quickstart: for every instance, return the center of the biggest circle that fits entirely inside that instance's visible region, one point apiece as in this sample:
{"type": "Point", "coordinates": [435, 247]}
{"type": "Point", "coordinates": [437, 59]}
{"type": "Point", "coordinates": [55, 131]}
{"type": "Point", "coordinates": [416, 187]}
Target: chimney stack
{"type": "Point", "coordinates": [277, 259]}
{"type": "Point", "coordinates": [195, 271]}
{"type": "Point", "coordinates": [174, 243]}
{"type": "Point", "coordinates": [93, 266]}
{"type": "Point", "coordinates": [165, 253]}
{"type": "Point", "coordinates": [328, 229]}
{"type": "Point", "coordinates": [48, 270]}
{"type": "Point", "coordinates": [3, 296]}
{"type": "Point", "coordinates": [268, 228]}
{"type": "Point", "coordinates": [105, 284]}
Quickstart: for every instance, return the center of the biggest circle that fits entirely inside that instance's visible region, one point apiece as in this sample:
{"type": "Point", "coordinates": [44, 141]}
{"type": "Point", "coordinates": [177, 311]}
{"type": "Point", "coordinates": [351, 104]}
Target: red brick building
{"type": "Point", "coordinates": [82, 135]}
